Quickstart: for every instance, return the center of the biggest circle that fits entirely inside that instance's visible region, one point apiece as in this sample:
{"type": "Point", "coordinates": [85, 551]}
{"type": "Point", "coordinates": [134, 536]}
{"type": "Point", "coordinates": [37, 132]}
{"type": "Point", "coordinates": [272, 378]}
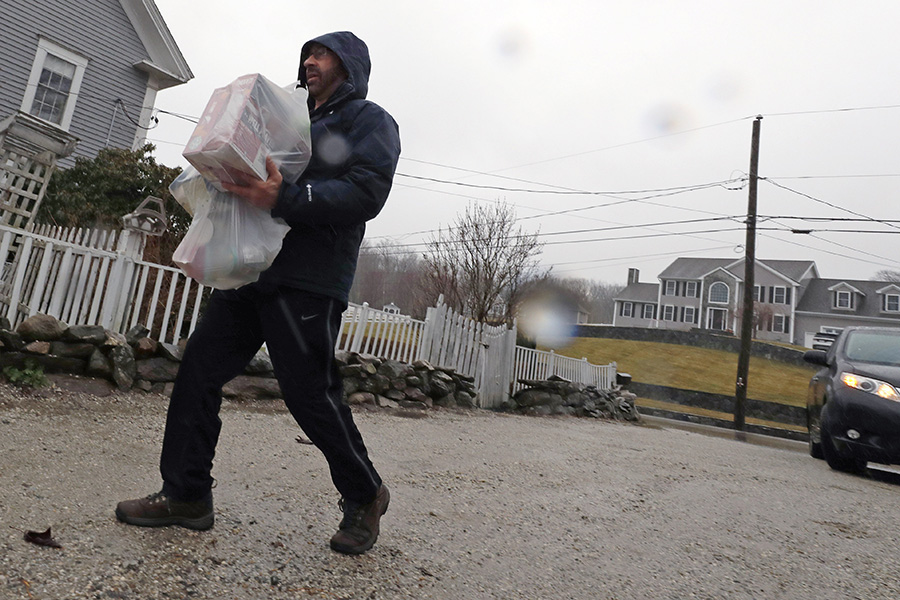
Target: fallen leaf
{"type": "Point", "coordinates": [303, 440]}
{"type": "Point", "coordinates": [42, 539]}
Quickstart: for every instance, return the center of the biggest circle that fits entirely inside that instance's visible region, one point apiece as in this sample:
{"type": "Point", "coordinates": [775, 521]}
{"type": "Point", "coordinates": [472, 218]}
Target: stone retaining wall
{"type": "Point", "coordinates": [134, 360]}
{"type": "Point", "coordinates": [758, 409]}
{"type": "Point", "coordinates": [557, 396]}
{"type": "Point", "coordinates": [702, 339]}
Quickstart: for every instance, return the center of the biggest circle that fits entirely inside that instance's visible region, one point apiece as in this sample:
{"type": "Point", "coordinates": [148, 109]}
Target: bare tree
{"type": "Point", "coordinates": [481, 261]}
{"type": "Point", "coordinates": [385, 275]}
{"type": "Point", "coordinates": [887, 275]}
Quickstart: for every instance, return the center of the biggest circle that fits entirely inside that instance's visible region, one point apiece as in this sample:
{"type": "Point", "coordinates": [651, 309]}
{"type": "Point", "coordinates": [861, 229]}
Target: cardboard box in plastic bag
{"type": "Point", "coordinates": [242, 124]}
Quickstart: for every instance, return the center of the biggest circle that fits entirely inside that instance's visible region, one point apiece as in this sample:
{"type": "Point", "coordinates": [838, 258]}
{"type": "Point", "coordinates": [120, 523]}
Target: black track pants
{"type": "Point", "coordinates": [300, 331]}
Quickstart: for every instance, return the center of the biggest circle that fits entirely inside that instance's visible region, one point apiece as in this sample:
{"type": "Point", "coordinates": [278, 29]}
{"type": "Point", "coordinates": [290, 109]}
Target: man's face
{"type": "Point", "coordinates": [324, 73]}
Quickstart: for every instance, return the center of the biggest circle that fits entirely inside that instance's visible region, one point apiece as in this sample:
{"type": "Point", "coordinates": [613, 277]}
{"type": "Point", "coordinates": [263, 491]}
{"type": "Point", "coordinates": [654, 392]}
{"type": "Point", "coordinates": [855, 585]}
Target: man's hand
{"type": "Point", "coordinates": [259, 193]}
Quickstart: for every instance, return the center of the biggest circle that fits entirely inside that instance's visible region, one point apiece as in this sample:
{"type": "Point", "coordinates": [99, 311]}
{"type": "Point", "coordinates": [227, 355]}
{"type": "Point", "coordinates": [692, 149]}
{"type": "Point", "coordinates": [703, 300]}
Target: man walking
{"type": "Point", "coordinates": [295, 307]}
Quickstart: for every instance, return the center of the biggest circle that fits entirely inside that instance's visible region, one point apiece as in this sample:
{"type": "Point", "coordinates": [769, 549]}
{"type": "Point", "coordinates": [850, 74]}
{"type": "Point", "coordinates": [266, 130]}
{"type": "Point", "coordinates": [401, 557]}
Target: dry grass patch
{"type": "Point", "coordinates": [692, 368]}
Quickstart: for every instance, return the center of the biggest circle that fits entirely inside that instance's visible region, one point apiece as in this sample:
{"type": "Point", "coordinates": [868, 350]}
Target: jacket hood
{"type": "Point", "coordinates": [354, 55]}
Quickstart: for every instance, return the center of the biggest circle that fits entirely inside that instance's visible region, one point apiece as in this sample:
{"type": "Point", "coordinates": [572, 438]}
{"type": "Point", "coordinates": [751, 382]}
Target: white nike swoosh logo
{"type": "Point", "coordinates": [305, 318]}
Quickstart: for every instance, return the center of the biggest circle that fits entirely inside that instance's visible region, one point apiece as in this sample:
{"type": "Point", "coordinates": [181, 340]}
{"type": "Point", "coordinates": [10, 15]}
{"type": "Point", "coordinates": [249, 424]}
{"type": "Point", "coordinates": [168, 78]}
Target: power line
{"type": "Point", "coordinates": [807, 231]}
{"type": "Point", "coordinates": [828, 219]}
{"type": "Point", "coordinates": [831, 110]}
{"type": "Point", "coordinates": [826, 203]}
{"type": "Point", "coordinates": [571, 192]}
{"type": "Point", "coordinates": [637, 256]}
{"type": "Point", "coordinates": [807, 247]}
{"type": "Point", "coordinates": [862, 176]}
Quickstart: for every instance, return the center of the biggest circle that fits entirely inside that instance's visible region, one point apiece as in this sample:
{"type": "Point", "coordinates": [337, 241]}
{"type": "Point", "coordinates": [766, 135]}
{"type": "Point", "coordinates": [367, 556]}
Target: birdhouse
{"type": "Point", "coordinates": [149, 217]}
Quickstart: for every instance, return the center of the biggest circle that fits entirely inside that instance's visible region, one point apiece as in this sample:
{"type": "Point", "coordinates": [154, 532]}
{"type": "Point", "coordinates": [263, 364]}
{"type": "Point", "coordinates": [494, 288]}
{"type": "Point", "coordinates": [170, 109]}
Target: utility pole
{"type": "Point", "coordinates": [740, 391]}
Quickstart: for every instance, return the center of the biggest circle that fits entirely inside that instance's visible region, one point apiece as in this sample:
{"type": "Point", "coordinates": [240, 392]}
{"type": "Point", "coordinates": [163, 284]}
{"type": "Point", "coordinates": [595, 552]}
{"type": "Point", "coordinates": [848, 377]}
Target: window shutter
{"type": "Point", "coordinates": [772, 295]}
{"type": "Point", "coordinates": [787, 295]}
{"type": "Point", "coordinates": [787, 324]}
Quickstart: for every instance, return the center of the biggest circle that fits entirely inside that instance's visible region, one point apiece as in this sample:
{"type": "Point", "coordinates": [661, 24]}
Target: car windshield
{"type": "Point", "coordinates": [876, 347]}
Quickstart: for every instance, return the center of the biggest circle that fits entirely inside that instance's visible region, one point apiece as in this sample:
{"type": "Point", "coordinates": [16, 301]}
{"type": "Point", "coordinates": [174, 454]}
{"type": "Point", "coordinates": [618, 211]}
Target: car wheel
{"type": "Point", "coordinates": [814, 425]}
{"type": "Point", "coordinates": [837, 462]}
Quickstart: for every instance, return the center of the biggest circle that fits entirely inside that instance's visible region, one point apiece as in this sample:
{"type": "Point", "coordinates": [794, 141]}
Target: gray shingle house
{"type": "Point", "coordinates": [91, 69]}
{"type": "Point", "coordinates": [792, 303]}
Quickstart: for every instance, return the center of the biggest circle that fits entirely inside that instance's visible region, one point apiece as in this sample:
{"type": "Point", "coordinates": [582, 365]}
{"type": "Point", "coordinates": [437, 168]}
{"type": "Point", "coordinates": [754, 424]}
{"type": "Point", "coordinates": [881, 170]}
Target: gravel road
{"type": "Point", "coordinates": [483, 505]}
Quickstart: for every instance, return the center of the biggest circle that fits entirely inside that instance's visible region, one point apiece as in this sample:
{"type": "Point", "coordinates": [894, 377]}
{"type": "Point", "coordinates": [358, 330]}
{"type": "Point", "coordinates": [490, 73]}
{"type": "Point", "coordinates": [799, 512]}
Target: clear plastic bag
{"type": "Point", "coordinates": [244, 122]}
{"type": "Point", "coordinates": [230, 242]}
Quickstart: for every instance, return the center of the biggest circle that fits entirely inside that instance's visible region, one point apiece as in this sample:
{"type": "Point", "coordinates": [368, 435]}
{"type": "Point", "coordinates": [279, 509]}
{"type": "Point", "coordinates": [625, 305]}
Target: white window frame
{"type": "Point", "coordinates": [757, 290]}
{"type": "Point", "coordinates": [692, 311]}
{"type": "Point", "coordinates": [715, 286]}
{"type": "Point", "coordinates": [671, 288]}
{"type": "Point", "coordinates": [669, 312]}
{"type": "Point", "coordinates": [778, 323]}
{"type": "Point", "coordinates": [887, 303]}
{"type": "Point", "coordinates": [779, 290]}
{"type": "Point", "coordinates": [627, 309]}
{"type": "Point", "coordinates": [837, 299]}
{"type": "Point", "coordinates": [690, 289]}
{"type": "Point", "coordinates": [648, 308]}
{"type": "Point", "coordinates": [46, 47]}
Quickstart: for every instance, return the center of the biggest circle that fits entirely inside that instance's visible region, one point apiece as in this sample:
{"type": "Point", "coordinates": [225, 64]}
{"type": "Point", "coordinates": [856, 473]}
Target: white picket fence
{"type": "Point", "coordinates": [448, 339]}
{"type": "Point", "coordinates": [387, 335]}
{"type": "Point", "coordinates": [540, 364]}
{"type": "Point", "coordinates": [96, 277]}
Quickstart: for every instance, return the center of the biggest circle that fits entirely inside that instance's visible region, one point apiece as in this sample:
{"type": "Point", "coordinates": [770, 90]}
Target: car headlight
{"type": "Point", "coordinates": [871, 386]}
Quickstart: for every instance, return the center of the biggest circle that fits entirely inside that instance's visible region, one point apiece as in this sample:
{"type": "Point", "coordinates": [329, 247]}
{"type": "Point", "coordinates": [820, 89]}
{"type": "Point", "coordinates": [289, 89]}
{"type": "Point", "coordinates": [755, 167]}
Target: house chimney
{"type": "Point", "coordinates": [633, 276]}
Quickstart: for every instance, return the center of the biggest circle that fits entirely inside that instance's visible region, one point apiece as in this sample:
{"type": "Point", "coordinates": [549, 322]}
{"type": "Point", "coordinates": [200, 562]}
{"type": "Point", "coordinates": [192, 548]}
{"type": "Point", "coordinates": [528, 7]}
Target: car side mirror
{"type": "Point", "coordinates": [816, 357]}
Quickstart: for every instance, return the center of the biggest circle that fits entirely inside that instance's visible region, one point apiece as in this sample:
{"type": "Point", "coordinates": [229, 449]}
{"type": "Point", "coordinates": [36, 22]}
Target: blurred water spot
{"type": "Point", "coordinates": [547, 317]}
{"type": "Point", "coordinates": [334, 149]}
{"type": "Point", "coordinates": [666, 119]}
{"type": "Point", "coordinates": [514, 44]}
{"type": "Point", "coordinates": [724, 87]}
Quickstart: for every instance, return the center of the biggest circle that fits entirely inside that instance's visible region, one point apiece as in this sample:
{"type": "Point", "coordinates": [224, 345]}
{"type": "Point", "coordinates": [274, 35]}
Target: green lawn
{"type": "Point", "coordinates": [691, 368]}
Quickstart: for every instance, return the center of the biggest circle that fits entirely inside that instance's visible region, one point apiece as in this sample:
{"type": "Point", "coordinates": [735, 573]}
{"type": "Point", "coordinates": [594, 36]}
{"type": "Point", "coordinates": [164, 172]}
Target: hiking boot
{"type": "Point", "coordinates": [359, 527]}
{"type": "Point", "coordinates": [157, 510]}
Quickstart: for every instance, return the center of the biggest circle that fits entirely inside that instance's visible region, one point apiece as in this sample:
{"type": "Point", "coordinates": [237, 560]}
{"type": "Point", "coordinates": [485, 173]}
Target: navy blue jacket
{"type": "Point", "coordinates": [355, 148]}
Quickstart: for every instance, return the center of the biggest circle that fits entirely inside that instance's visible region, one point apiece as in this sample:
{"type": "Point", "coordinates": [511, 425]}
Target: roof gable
{"type": "Point", "coordinates": [693, 268]}
{"type": "Point", "coordinates": [165, 65]}
{"type": "Point", "coordinates": [639, 292]}
{"type": "Point", "coordinates": [843, 285]}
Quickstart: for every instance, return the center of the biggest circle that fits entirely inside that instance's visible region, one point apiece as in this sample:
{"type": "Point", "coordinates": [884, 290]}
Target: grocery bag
{"type": "Point", "coordinates": [244, 122]}
{"type": "Point", "coordinates": [230, 242]}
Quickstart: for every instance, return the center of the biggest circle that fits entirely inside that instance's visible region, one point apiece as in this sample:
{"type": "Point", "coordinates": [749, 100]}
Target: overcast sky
{"type": "Point", "coordinates": [624, 102]}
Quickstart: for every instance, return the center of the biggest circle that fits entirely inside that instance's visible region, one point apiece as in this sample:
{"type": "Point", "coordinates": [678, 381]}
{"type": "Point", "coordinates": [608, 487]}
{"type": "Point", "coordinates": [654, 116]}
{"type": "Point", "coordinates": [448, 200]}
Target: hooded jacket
{"type": "Point", "coordinates": [355, 149]}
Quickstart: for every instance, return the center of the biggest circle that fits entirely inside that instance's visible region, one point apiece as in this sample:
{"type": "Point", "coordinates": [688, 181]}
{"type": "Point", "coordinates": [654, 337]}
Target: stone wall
{"type": "Point", "coordinates": [758, 409]}
{"type": "Point", "coordinates": [134, 360]}
{"type": "Point", "coordinates": [557, 396]}
{"type": "Point", "coordinates": [702, 339]}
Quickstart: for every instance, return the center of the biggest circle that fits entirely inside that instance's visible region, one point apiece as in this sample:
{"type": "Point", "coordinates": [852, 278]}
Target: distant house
{"type": "Point", "coordinates": [791, 302]}
{"type": "Point", "coordinates": [829, 305]}
{"type": "Point", "coordinates": [90, 69]}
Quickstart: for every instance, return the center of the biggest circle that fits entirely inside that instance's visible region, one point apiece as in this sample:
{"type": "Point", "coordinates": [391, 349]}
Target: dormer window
{"type": "Point", "coordinates": [843, 299]}
{"type": "Point", "coordinates": [891, 303]}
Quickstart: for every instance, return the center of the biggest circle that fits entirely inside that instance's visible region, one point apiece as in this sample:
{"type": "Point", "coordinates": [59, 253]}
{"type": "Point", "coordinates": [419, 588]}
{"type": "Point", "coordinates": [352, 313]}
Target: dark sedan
{"type": "Point", "coordinates": [853, 403]}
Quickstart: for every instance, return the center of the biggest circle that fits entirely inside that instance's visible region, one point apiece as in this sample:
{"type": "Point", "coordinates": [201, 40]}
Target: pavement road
{"type": "Point", "coordinates": [484, 505]}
